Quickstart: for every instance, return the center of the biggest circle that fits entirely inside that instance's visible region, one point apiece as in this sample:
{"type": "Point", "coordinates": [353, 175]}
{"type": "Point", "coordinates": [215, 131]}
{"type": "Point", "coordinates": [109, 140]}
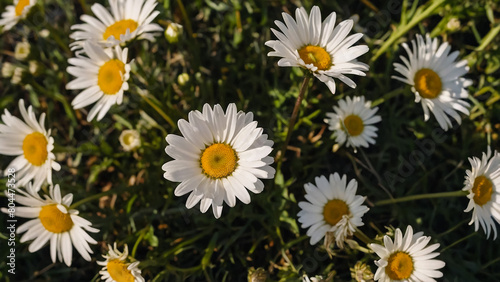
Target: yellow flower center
{"type": "Point", "coordinates": [110, 76]}
{"type": "Point", "coordinates": [129, 138]}
{"type": "Point", "coordinates": [119, 272]}
{"type": "Point", "coordinates": [119, 28]}
{"type": "Point", "coordinates": [354, 125]}
{"type": "Point", "coordinates": [334, 210]}
{"type": "Point", "coordinates": [35, 148]}
{"type": "Point", "coordinates": [20, 6]}
{"type": "Point", "coordinates": [483, 188]}
{"type": "Point", "coordinates": [54, 220]}
{"type": "Point", "coordinates": [428, 83]}
{"type": "Point", "coordinates": [218, 161]}
{"type": "Point", "coordinates": [317, 56]}
{"type": "Point", "coordinates": [399, 266]}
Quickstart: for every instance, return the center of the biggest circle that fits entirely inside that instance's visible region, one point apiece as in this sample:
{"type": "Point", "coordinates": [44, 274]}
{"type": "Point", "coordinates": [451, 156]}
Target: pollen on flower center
{"type": "Point", "coordinates": [428, 83]}
{"type": "Point", "coordinates": [20, 6]}
{"type": "Point", "coordinates": [110, 76]}
{"type": "Point", "coordinates": [35, 148]}
{"type": "Point", "coordinates": [119, 272]}
{"type": "Point", "coordinates": [482, 189]}
{"type": "Point", "coordinates": [399, 266]}
{"type": "Point", "coordinates": [218, 160]}
{"type": "Point", "coordinates": [119, 28]}
{"type": "Point", "coordinates": [354, 125]}
{"type": "Point", "coordinates": [317, 56]}
{"type": "Point", "coordinates": [54, 220]}
{"type": "Point", "coordinates": [334, 210]}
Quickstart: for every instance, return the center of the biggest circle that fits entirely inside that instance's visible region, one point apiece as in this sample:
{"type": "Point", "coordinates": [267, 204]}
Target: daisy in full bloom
{"type": "Point", "coordinates": [53, 221]}
{"type": "Point", "coordinates": [128, 19]}
{"type": "Point", "coordinates": [408, 258]}
{"type": "Point", "coordinates": [15, 12]}
{"type": "Point", "coordinates": [436, 79]}
{"type": "Point", "coordinates": [483, 184]}
{"type": "Point", "coordinates": [103, 75]}
{"type": "Point", "coordinates": [218, 158]}
{"type": "Point", "coordinates": [117, 269]}
{"type": "Point", "coordinates": [31, 143]}
{"type": "Point", "coordinates": [332, 206]}
{"type": "Point", "coordinates": [352, 122]}
{"type": "Point", "coordinates": [322, 48]}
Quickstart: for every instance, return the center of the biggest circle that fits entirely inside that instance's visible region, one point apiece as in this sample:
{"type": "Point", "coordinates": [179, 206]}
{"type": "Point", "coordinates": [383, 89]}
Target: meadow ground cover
{"type": "Point", "coordinates": [255, 140]}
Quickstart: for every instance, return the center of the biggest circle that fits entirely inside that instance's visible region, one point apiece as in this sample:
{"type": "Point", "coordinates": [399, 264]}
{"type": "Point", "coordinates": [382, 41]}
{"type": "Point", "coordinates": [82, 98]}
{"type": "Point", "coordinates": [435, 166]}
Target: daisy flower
{"type": "Point", "coordinates": [332, 206]}
{"type": "Point", "coordinates": [116, 268]}
{"type": "Point", "coordinates": [103, 75]}
{"type": "Point", "coordinates": [15, 12]}
{"type": "Point", "coordinates": [408, 258]}
{"type": "Point", "coordinates": [31, 143]}
{"type": "Point", "coordinates": [128, 19]}
{"type": "Point", "coordinates": [53, 222]}
{"type": "Point", "coordinates": [352, 122]}
{"type": "Point", "coordinates": [483, 184]}
{"type": "Point", "coordinates": [218, 158]}
{"type": "Point", "coordinates": [325, 51]}
{"type": "Point", "coordinates": [436, 79]}
{"type": "Point", "coordinates": [130, 140]}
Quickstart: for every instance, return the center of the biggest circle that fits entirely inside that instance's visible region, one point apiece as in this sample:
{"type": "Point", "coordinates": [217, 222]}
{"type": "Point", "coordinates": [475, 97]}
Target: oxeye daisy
{"type": "Point", "coordinates": [322, 48]}
{"type": "Point", "coordinates": [218, 158]}
{"type": "Point", "coordinates": [53, 221]}
{"type": "Point", "coordinates": [483, 184]}
{"type": "Point", "coordinates": [332, 206]}
{"type": "Point", "coordinates": [31, 143]}
{"type": "Point", "coordinates": [128, 19]}
{"type": "Point", "coordinates": [408, 258]}
{"type": "Point", "coordinates": [436, 79]}
{"type": "Point", "coordinates": [353, 122]}
{"type": "Point", "coordinates": [117, 268]}
{"type": "Point", "coordinates": [103, 75]}
{"type": "Point", "coordinates": [15, 12]}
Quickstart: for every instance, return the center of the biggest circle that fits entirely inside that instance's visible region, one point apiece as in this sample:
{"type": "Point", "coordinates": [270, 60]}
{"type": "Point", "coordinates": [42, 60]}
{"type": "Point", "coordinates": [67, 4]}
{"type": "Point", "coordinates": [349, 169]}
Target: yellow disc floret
{"type": "Point", "coordinates": [119, 272]}
{"type": "Point", "coordinates": [54, 220]}
{"type": "Point", "coordinates": [399, 266]}
{"type": "Point", "coordinates": [119, 28]}
{"type": "Point", "coordinates": [35, 148]}
{"type": "Point", "coordinates": [218, 160]}
{"type": "Point", "coordinates": [482, 189]}
{"type": "Point", "coordinates": [20, 6]}
{"type": "Point", "coordinates": [428, 83]}
{"type": "Point", "coordinates": [334, 210]}
{"type": "Point", "coordinates": [317, 56]}
{"type": "Point", "coordinates": [110, 76]}
{"type": "Point", "coordinates": [354, 125]}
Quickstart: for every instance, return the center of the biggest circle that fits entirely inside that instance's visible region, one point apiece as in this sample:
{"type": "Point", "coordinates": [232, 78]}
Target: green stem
{"type": "Point", "coordinates": [488, 38]}
{"type": "Point", "coordinates": [160, 111]}
{"type": "Point", "coordinates": [134, 249]}
{"type": "Point", "coordinates": [422, 196]}
{"type": "Point", "coordinates": [187, 22]}
{"type": "Point", "coordinates": [403, 29]}
{"type": "Point", "coordinates": [295, 113]}
{"type": "Point", "coordinates": [459, 241]}
{"type": "Point", "coordinates": [388, 96]}
{"type": "Point", "coordinates": [362, 236]}
{"type": "Point", "coordinates": [98, 196]}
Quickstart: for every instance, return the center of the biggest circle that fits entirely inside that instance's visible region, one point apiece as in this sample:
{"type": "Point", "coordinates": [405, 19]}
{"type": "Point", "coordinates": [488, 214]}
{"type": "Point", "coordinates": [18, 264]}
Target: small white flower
{"type": "Point", "coordinates": [7, 69]}
{"type": "Point", "coordinates": [332, 206]}
{"type": "Point", "coordinates": [219, 157]}
{"type": "Point", "coordinates": [130, 139]}
{"type": "Point", "coordinates": [173, 32]}
{"type": "Point", "coordinates": [53, 221]}
{"type": "Point", "coordinates": [32, 145]}
{"type": "Point", "coordinates": [322, 48]}
{"type": "Point", "coordinates": [15, 12]}
{"type": "Point", "coordinates": [128, 19]}
{"type": "Point", "coordinates": [353, 122]}
{"type": "Point", "coordinates": [436, 79]}
{"type": "Point", "coordinates": [483, 184]}
{"type": "Point", "coordinates": [117, 269]}
{"type": "Point", "coordinates": [22, 50]}
{"type": "Point", "coordinates": [408, 258]}
{"type": "Point", "coordinates": [103, 75]}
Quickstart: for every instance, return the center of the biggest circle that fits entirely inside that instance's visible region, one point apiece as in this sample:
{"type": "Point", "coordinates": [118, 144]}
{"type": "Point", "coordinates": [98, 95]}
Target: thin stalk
{"type": "Point", "coordinates": [158, 110]}
{"type": "Point", "coordinates": [422, 196]}
{"type": "Point", "coordinates": [374, 172]}
{"type": "Point", "coordinates": [459, 241]}
{"type": "Point", "coordinates": [388, 96]}
{"type": "Point", "coordinates": [362, 236]}
{"type": "Point", "coordinates": [98, 196]}
{"type": "Point", "coordinates": [143, 233]}
{"type": "Point", "coordinates": [295, 113]}
{"type": "Point", "coordinates": [187, 22]}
